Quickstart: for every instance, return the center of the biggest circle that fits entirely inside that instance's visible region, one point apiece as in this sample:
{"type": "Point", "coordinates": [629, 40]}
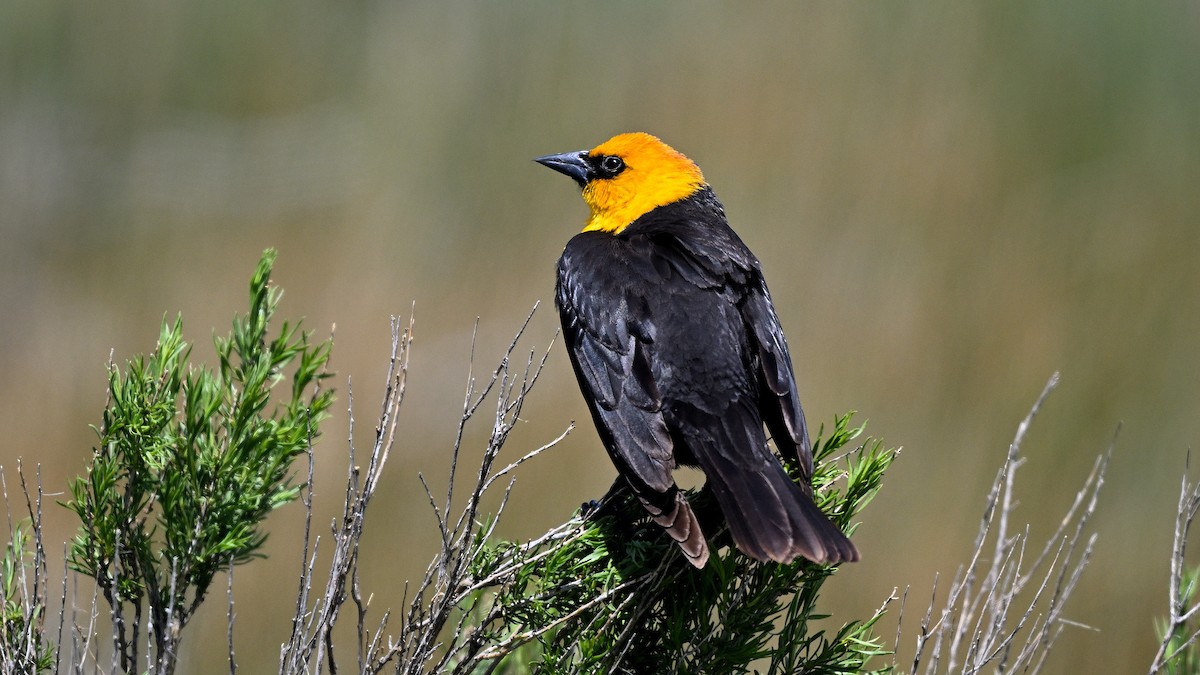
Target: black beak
{"type": "Point", "coordinates": [573, 164]}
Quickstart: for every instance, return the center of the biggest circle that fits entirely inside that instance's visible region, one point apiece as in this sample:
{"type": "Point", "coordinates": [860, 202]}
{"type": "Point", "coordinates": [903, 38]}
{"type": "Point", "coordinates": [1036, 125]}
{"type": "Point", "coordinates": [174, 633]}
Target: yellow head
{"type": "Point", "coordinates": [627, 176]}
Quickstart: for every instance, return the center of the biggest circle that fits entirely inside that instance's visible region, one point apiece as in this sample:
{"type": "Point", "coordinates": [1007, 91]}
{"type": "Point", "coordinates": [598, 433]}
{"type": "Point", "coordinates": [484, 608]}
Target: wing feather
{"type": "Point", "coordinates": [778, 401]}
{"type": "Point", "coordinates": [612, 364]}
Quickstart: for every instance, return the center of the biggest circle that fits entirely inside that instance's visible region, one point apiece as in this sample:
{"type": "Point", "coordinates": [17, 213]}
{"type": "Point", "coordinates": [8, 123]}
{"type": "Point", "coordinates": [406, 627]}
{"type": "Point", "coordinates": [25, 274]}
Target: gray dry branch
{"type": "Point", "coordinates": [311, 639]}
{"type": "Point", "coordinates": [422, 642]}
{"type": "Point", "coordinates": [25, 646]}
{"type": "Point", "coordinates": [1177, 651]}
{"type": "Point", "coordinates": [986, 621]}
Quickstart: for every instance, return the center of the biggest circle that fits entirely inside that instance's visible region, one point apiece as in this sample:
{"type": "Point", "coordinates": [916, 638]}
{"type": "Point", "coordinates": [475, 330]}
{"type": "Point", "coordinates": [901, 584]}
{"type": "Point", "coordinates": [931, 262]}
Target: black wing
{"type": "Point", "coordinates": [739, 377]}
{"type": "Point", "coordinates": [607, 336]}
{"type": "Point", "coordinates": [779, 403]}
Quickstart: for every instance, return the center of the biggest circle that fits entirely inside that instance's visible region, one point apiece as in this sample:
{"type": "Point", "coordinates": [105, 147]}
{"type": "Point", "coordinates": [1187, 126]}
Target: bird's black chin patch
{"type": "Point", "coordinates": [573, 164]}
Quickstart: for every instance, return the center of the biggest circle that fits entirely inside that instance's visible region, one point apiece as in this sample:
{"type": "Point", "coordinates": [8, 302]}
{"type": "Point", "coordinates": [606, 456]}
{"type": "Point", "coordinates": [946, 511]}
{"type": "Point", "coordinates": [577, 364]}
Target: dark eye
{"type": "Point", "coordinates": [612, 165]}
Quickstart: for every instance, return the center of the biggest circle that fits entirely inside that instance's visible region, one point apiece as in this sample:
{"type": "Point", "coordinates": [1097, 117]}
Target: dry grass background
{"type": "Point", "coordinates": [951, 199]}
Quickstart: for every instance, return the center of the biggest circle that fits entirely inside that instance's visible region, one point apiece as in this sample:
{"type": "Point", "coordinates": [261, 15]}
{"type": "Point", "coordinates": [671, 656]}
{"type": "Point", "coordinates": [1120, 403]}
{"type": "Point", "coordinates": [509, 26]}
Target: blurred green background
{"type": "Point", "coordinates": [951, 200]}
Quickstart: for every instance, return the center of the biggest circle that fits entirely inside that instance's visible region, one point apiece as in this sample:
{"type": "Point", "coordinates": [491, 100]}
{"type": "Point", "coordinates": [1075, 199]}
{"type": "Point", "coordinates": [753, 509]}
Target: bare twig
{"type": "Point", "coordinates": [983, 617]}
{"type": "Point", "coordinates": [229, 618]}
{"type": "Point", "coordinates": [311, 640]}
{"type": "Point", "coordinates": [427, 637]}
{"type": "Point", "coordinates": [1178, 635]}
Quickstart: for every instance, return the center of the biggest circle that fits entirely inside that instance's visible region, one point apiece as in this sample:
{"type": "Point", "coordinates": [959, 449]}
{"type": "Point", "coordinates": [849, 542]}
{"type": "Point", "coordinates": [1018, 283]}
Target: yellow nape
{"type": "Point", "coordinates": [655, 175]}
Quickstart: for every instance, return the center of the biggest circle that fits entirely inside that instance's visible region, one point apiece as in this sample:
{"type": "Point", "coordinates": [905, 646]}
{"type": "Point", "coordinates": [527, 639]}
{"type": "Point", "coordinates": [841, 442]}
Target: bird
{"type": "Point", "coordinates": [681, 357]}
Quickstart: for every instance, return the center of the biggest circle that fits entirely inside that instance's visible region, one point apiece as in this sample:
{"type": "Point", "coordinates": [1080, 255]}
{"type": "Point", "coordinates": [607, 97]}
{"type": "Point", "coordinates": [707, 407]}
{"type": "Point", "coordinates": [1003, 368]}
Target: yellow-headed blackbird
{"type": "Point", "coordinates": [680, 354]}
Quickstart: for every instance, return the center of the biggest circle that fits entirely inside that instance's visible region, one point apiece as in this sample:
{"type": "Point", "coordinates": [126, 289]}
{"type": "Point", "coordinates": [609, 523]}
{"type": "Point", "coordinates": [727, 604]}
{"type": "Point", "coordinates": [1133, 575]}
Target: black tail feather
{"type": "Point", "coordinates": [771, 518]}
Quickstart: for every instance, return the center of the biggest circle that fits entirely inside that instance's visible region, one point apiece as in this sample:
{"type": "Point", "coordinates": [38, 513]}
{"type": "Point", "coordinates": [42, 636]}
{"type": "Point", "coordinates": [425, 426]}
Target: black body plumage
{"type": "Point", "coordinates": [681, 357]}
